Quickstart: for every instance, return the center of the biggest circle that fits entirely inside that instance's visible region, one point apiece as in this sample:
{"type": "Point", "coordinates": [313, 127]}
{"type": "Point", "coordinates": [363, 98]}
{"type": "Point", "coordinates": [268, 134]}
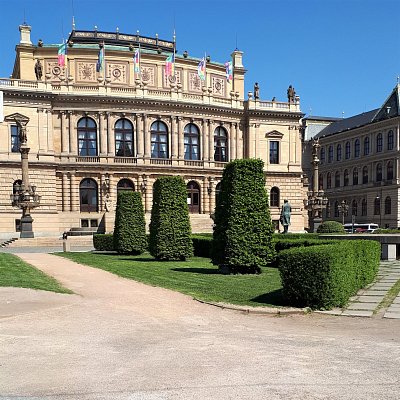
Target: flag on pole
{"type": "Point", "coordinates": [100, 60]}
{"type": "Point", "coordinates": [170, 65]}
{"type": "Point", "coordinates": [136, 61]}
{"type": "Point", "coordinates": [229, 71]}
{"type": "Point", "coordinates": [62, 55]}
{"type": "Point", "coordinates": [201, 69]}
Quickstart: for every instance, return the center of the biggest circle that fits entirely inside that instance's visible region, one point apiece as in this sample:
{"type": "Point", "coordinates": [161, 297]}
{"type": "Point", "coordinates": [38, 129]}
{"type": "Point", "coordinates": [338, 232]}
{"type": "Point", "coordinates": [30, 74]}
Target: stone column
{"type": "Point", "coordinates": [239, 141]}
{"type": "Point", "coordinates": [146, 137]}
{"type": "Point", "coordinates": [65, 192]}
{"type": "Point", "coordinates": [204, 196]}
{"type": "Point", "coordinates": [64, 135]}
{"type": "Point", "coordinates": [174, 137]}
{"type": "Point", "coordinates": [102, 134]}
{"type": "Point", "coordinates": [204, 134]}
{"type": "Point", "coordinates": [42, 140]}
{"type": "Point", "coordinates": [232, 141]}
{"type": "Point", "coordinates": [210, 141]}
{"type": "Point", "coordinates": [74, 192]}
{"type": "Point", "coordinates": [181, 145]}
{"type": "Point", "coordinates": [49, 132]}
{"type": "Point", "coordinates": [212, 195]}
{"type": "Point", "coordinates": [139, 138]}
{"type": "Point", "coordinates": [71, 133]}
{"type": "Point", "coordinates": [110, 136]}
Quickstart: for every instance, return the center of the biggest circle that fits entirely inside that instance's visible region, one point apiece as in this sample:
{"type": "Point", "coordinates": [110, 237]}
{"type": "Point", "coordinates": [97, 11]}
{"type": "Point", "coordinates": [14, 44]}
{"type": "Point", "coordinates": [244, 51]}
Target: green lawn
{"type": "Point", "coordinates": [16, 273]}
{"type": "Point", "coordinates": [196, 277]}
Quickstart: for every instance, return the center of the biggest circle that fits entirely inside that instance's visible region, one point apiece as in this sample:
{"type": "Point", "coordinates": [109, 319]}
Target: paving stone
{"type": "Point", "coordinates": [362, 306]}
{"type": "Point", "coordinates": [374, 293]}
{"type": "Point", "coordinates": [392, 315]}
{"type": "Point", "coordinates": [357, 313]}
{"type": "Point", "coordinates": [382, 286]}
{"type": "Point", "coordinates": [367, 298]}
{"type": "Point", "coordinates": [396, 300]}
{"type": "Point", "coordinates": [394, 307]}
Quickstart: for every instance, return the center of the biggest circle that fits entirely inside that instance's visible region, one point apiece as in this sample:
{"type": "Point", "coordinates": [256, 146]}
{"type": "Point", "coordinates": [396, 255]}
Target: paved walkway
{"type": "Point", "coordinates": [374, 301]}
{"type": "Point", "coordinates": [119, 339]}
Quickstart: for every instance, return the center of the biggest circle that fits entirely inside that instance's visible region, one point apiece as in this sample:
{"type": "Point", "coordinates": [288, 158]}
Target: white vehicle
{"type": "Point", "coordinates": [360, 228]}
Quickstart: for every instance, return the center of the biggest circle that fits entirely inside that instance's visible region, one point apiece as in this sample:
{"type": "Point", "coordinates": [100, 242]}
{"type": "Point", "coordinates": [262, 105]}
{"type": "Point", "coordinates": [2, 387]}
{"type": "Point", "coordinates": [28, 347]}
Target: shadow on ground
{"type": "Point", "coordinates": [274, 298]}
{"type": "Point", "coordinates": [205, 271]}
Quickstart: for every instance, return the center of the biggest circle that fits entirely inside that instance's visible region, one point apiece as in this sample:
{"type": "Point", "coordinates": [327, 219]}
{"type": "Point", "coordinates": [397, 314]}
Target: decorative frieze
{"type": "Point", "coordinates": [148, 73]}
{"type": "Point", "coordinates": [86, 71]}
{"type": "Point", "coordinates": [218, 85]}
{"type": "Point", "coordinates": [194, 82]}
{"type": "Point", "coordinates": [117, 72]}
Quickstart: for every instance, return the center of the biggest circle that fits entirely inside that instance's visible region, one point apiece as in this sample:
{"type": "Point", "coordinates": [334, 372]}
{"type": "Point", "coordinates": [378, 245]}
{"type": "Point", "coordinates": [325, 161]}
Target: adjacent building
{"type": "Point", "coordinates": [100, 122]}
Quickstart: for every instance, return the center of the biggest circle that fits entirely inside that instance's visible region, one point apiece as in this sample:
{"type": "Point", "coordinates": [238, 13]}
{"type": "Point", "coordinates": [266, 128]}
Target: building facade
{"type": "Point", "coordinates": [359, 165]}
{"type": "Point", "coordinates": [95, 126]}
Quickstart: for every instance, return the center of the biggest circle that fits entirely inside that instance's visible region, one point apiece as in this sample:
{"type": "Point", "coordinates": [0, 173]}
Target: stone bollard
{"type": "Point", "coordinates": [66, 243]}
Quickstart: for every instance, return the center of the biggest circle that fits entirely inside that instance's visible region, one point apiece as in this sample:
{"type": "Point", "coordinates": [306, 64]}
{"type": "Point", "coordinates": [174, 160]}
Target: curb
{"type": "Point", "coordinates": [257, 310]}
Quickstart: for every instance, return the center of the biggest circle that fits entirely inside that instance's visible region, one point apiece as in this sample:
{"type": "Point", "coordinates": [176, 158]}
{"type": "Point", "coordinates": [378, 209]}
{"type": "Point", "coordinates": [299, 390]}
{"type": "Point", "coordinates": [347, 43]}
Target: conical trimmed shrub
{"type": "Point", "coordinates": [242, 238]}
{"type": "Point", "coordinates": [170, 224]}
{"type": "Point", "coordinates": [130, 224]}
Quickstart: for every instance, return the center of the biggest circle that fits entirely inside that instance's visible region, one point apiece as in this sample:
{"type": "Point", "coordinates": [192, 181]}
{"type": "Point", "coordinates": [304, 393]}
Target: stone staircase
{"type": "Point", "coordinates": [7, 242]}
{"type": "Point", "coordinates": [74, 241]}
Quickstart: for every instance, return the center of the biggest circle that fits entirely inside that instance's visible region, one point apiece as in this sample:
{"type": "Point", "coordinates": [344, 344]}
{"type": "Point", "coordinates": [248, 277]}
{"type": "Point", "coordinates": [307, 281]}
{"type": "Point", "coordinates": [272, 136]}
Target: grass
{"type": "Point", "coordinates": [16, 273]}
{"type": "Point", "coordinates": [389, 297]}
{"type": "Point", "coordinates": [196, 277]}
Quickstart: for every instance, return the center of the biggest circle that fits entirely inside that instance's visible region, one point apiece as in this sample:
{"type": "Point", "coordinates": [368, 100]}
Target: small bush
{"type": "Point", "coordinates": [130, 224]}
{"type": "Point", "coordinates": [381, 230]}
{"type": "Point", "coordinates": [331, 227]}
{"type": "Point", "coordinates": [326, 276]}
{"type": "Point", "coordinates": [202, 245]}
{"type": "Point", "coordinates": [170, 224]}
{"type": "Point", "coordinates": [103, 242]}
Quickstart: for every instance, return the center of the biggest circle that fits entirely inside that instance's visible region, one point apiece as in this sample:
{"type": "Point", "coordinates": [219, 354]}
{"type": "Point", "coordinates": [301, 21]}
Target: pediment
{"type": "Point", "coordinates": [274, 134]}
{"type": "Point", "coordinates": [17, 117]}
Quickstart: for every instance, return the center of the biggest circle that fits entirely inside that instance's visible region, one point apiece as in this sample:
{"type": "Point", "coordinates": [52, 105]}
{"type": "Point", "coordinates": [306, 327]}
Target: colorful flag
{"type": "Point", "coordinates": [100, 60]}
{"type": "Point", "coordinates": [170, 65]}
{"type": "Point", "coordinates": [62, 55]}
{"type": "Point", "coordinates": [228, 69]}
{"type": "Point", "coordinates": [136, 61]}
{"type": "Point", "coordinates": [201, 69]}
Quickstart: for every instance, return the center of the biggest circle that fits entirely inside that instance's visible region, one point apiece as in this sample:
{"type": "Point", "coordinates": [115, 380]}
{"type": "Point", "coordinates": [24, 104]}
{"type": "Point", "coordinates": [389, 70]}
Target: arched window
{"type": "Point", "coordinates": [87, 137]}
{"type": "Point", "coordinates": [389, 171]}
{"type": "Point", "coordinates": [159, 140]}
{"type": "Point", "coordinates": [354, 208]}
{"type": "Point", "coordinates": [337, 179]}
{"type": "Point", "coordinates": [322, 155]}
{"type": "Point", "coordinates": [390, 141]}
{"type": "Point", "coordinates": [220, 144]}
{"type": "Point", "coordinates": [274, 197]}
{"type": "Point", "coordinates": [217, 192]}
{"type": "Point", "coordinates": [355, 176]}
{"type": "Point", "coordinates": [336, 209]}
{"type": "Point", "coordinates": [378, 172]}
{"type": "Point", "coordinates": [388, 205]}
{"type": "Point", "coordinates": [379, 143]}
{"type": "Point", "coordinates": [346, 178]}
{"type": "Point", "coordinates": [125, 184]}
{"type": "Point", "coordinates": [193, 195]}
{"type": "Point", "coordinates": [328, 180]}
{"type": "Point", "coordinates": [357, 148]}
{"type": "Point", "coordinates": [365, 175]}
{"type": "Point", "coordinates": [192, 142]}
{"type": "Point", "coordinates": [339, 152]}
{"type": "Point", "coordinates": [88, 195]}
{"type": "Point", "coordinates": [377, 206]}
{"type": "Point", "coordinates": [347, 151]}
{"type": "Point", "coordinates": [366, 146]}
{"type": "Point", "coordinates": [364, 207]}
{"type": "Point", "coordinates": [123, 138]}
{"type": "Point", "coordinates": [320, 182]}
{"type": "Point", "coordinates": [330, 153]}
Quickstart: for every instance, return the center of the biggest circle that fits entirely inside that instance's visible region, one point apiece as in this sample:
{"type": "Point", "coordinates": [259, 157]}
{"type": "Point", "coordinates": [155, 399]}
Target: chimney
{"type": "Point", "coordinates": [25, 34]}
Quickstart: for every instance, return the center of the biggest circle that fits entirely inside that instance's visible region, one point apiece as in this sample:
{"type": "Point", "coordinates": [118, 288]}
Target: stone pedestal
{"type": "Point", "coordinates": [26, 227]}
{"type": "Point", "coordinates": [388, 252]}
{"type": "Point", "coordinates": [316, 222]}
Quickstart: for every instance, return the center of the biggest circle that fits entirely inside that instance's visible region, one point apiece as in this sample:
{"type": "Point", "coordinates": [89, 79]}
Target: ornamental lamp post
{"type": "Point", "coordinates": [343, 209]}
{"type": "Point", "coordinates": [316, 200]}
{"type": "Point", "coordinates": [24, 195]}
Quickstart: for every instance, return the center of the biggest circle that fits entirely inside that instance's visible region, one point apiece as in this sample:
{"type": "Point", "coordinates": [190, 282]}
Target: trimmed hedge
{"type": "Point", "coordinates": [326, 276]}
{"type": "Point", "coordinates": [170, 224]}
{"type": "Point", "coordinates": [289, 235]}
{"type": "Point", "coordinates": [202, 245]}
{"type": "Point", "coordinates": [382, 230]}
{"type": "Point", "coordinates": [242, 240]}
{"type": "Point", "coordinates": [103, 242]}
{"type": "Point", "coordinates": [130, 224]}
{"type": "Point", "coordinates": [284, 244]}
{"type": "Point", "coordinates": [331, 227]}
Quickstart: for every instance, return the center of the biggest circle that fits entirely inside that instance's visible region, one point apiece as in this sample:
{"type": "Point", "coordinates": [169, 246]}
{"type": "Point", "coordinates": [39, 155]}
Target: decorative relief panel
{"type": "Point", "coordinates": [218, 85]}
{"type": "Point", "coordinates": [117, 72]}
{"type": "Point", "coordinates": [195, 82]}
{"type": "Point", "coordinates": [86, 71]}
{"type": "Point", "coordinates": [148, 74]}
{"type": "Point", "coordinates": [53, 70]}
{"type": "Point", "coordinates": [167, 80]}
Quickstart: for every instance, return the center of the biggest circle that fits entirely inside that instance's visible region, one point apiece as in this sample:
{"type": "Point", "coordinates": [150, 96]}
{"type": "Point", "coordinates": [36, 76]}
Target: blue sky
{"type": "Point", "coordinates": [342, 56]}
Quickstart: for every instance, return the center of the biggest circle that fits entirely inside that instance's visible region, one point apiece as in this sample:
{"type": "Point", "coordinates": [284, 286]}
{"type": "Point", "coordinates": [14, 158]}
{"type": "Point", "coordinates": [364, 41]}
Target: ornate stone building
{"type": "Point", "coordinates": [359, 159]}
{"type": "Point", "coordinates": [94, 131]}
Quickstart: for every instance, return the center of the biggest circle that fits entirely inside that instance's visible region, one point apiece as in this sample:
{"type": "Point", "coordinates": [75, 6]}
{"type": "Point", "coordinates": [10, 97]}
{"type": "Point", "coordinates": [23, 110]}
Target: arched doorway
{"type": "Point", "coordinates": [193, 197]}
{"type": "Point", "coordinates": [88, 195]}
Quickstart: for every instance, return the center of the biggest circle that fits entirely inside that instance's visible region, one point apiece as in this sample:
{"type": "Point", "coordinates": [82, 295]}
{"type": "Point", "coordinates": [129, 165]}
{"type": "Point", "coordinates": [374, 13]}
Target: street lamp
{"type": "Point", "coordinates": [343, 209]}
{"type": "Point", "coordinates": [316, 200]}
{"type": "Point", "coordinates": [378, 200]}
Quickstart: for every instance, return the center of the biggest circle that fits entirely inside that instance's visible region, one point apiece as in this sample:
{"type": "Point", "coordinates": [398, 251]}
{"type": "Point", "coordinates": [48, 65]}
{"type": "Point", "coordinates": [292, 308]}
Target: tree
{"type": "Point", "coordinates": [242, 238]}
{"type": "Point", "coordinates": [170, 224]}
{"type": "Point", "coordinates": [130, 224]}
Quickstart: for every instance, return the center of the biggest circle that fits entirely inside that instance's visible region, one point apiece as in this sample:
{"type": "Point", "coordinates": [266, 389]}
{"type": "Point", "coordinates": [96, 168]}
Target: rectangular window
{"type": "Point", "coordinates": [14, 139]}
{"type": "Point", "coordinates": [274, 152]}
